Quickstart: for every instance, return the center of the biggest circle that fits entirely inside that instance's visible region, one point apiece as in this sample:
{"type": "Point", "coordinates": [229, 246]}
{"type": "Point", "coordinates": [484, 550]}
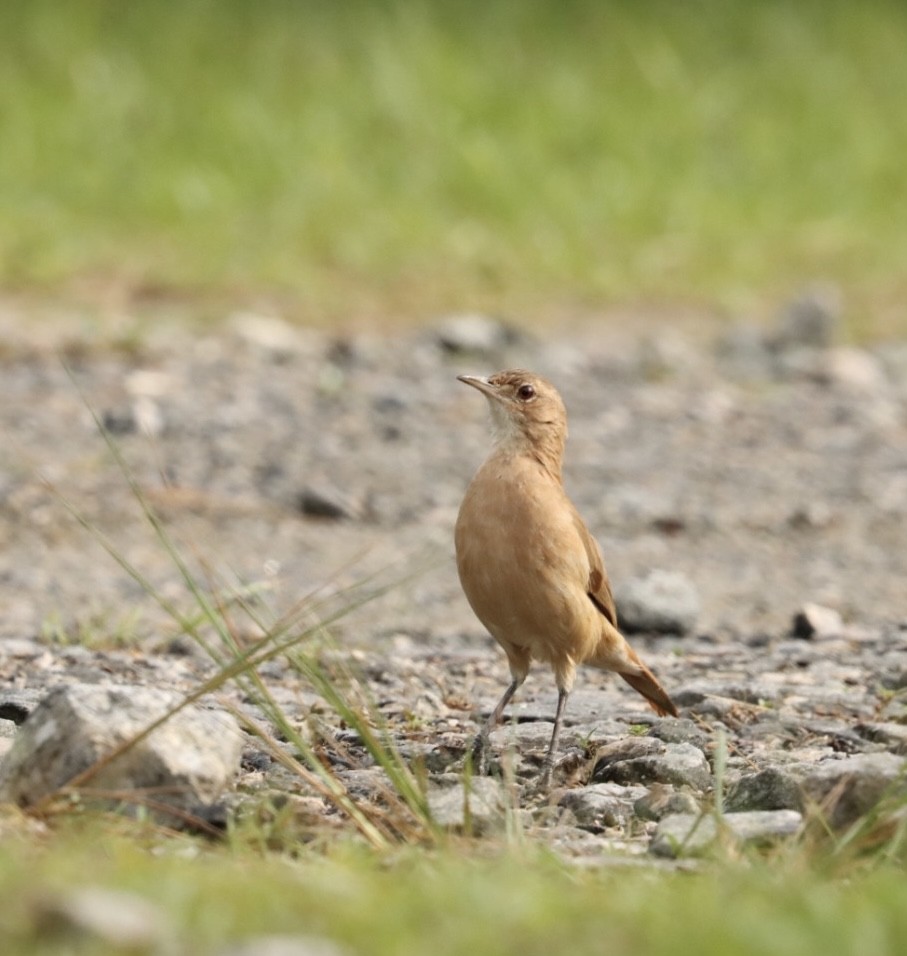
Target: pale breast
{"type": "Point", "coordinates": [522, 564]}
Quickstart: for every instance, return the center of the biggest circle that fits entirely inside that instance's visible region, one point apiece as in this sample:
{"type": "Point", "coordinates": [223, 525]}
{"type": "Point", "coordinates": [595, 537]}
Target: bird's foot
{"type": "Point", "coordinates": [544, 783]}
{"type": "Point", "coordinates": [563, 767]}
{"type": "Point", "coordinates": [478, 754]}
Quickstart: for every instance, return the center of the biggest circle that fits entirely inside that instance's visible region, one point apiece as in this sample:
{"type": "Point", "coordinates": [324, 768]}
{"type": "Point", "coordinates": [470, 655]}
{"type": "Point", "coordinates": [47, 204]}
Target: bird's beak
{"type": "Point", "coordinates": [483, 385]}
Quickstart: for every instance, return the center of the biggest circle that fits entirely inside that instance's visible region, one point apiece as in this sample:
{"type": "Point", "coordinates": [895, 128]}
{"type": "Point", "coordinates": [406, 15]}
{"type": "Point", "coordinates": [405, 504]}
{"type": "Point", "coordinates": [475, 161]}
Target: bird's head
{"type": "Point", "coordinates": [526, 409]}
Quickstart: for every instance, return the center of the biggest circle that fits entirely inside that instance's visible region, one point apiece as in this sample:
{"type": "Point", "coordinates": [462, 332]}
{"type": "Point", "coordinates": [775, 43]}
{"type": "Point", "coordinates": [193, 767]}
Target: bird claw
{"type": "Point", "coordinates": [544, 781]}
{"type": "Point", "coordinates": [478, 754]}
{"type": "Point", "coordinates": [566, 763]}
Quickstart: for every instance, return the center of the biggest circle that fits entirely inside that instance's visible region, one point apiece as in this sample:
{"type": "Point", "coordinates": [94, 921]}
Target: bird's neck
{"type": "Point", "coordinates": [546, 449]}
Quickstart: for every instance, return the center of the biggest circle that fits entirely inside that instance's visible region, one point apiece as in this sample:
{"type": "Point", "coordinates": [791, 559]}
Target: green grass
{"type": "Point", "coordinates": [415, 903]}
{"type": "Point", "coordinates": [396, 159]}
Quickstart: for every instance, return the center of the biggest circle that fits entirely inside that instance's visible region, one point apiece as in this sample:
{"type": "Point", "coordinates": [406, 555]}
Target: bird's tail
{"type": "Point", "coordinates": [647, 684]}
{"type": "Point", "coordinates": [615, 654]}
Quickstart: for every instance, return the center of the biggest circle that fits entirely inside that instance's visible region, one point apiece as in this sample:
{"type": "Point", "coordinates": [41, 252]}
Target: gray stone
{"type": "Point", "coordinates": [774, 788]}
{"type": "Point", "coordinates": [705, 704]}
{"type": "Point", "coordinates": [663, 800]}
{"type": "Point", "coordinates": [893, 356]}
{"type": "Point", "coordinates": [678, 764]}
{"type": "Point", "coordinates": [480, 809]}
{"type": "Point", "coordinates": [673, 730]}
{"type": "Point", "coordinates": [601, 806]}
{"type": "Point", "coordinates": [841, 789]}
{"type": "Point", "coordinates": [810, 319]}
{"type": "Point", "coordinates": [627, 748]}
{"type": "Point", "coordinates": [667, 354]}
{"type": "Point", "coordinates": [816, 621]}
{"type": "Point", "coordinates": [743, 354]}
{"type": "Point", "coordinates": [844, 790]}
{"type": "Point", "coordinates": [662, 602]}
{"type": "Point", "coordinates": [796, 363]}
{"type": "Point", "coordinates": [688, 834]}
{"type": "Point", "coordinates": [892, 735]}
{"type": "Point", "coordinates": [474, 333]}
{"type": "Point", "coordinates": [186, 763]}
{"type": "Point", "coordinates": [322, 502]}
{"type": "Point", "coordinates": [525, 737]}
{"type": "Point", "coordinates": [8, 731]}
{"type": "Point", "coordinates": [16, 705]}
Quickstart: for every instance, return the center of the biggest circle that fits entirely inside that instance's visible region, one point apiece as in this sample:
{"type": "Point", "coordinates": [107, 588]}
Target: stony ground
{"type": "Point", "coordinates": [766, 472]}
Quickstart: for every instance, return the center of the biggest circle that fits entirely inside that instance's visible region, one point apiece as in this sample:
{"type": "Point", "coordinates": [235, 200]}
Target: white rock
{"type": "Point", "coordinates": [186, 763]}
{"type": "Point", "coordinates": [854, 370]}
{"type": "Point", "coordinates": [269, 333]}
{"type": "Point", "coordinates": [815, 620]}
{"type": "Point", "coordinates": [473, 332]}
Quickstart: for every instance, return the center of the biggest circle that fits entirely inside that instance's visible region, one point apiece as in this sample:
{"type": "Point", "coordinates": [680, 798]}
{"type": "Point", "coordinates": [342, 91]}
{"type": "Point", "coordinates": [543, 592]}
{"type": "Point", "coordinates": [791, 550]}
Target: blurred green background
{"type": "Point", "coordinates": [391, 160]}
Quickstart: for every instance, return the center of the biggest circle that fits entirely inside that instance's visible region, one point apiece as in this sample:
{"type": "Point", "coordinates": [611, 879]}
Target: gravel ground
{"type": "Point", "coordinates": [765, 471]}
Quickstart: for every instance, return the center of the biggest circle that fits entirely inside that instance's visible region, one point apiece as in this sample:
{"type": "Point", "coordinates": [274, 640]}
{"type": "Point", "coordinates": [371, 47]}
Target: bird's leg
{"type": "Point", "coordinates": [548, 765]}
{"type": "Point", "coordinates": [480, 744]}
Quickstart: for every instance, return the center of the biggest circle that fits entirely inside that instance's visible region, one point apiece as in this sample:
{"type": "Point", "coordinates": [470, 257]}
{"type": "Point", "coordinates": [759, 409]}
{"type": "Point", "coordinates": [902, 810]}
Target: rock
{"type": "Point", "coordinates": [278, 945]}
{"type": "Point", "coordinates": [673, 730]}
{"type": "Point", "coordinates": [666, 355]}
{"type": "Point", "coordinates": [322, 502]}
{"type": "Point", "coordinates": [799, 364]}
{"type": "Point", "coordinates": [893, 356]}
{"type": "Point", "coordinates": [149, 383]}
{"type": "Point", "coordinates": [688, 834]}
{"type": "Point", "coordinates": [663, 800]}
{"type": "Point", "coordinates": [892, 735]}
{"type": "Point", "coordinates": [678, 764]}
{"type": "Point", "coordinates": [143, 415]}
{"type": "Point", "coordinates": [7, 736]}
{"type": "Point", "coordinates": [847, 789]}
{"type": "Point", "coordinates": [816, 621]}
{"type": "Point", "coordinates": [16, 705]}
{"type": "Point", "coordinates": [476, 334]}
{"type": "Point", "coordinates": [743, 354]}
{"type": "Point", "coordinates": [774, 788]}
{"type": "Point", "coordinates": [627, 748]}
{"type": "Point", "coordinates": [525, 736]}
{"type": "Point", "coordinates": [662, 602]}
{"type": "Point", "coordinates": [273, 336]}
{"type": "Point", "coordinates": [100, 917]}
{"type": "Point", "coordinates": [854, 370]}
{"type": "Point", "coordinates": [118, 421]}
{"type": "Point", "coordinates": [186, 763]}
{"type": "Point", "coordinates": [601, 806]}
{"type": "Point", "coordinates": [478, 810]}
{"type": "Point", "coordinates": [843, 790]}
{"type": "Point", "coordinates": [810, 515]}
{"type": "Point", "coordinates": [810, 319]}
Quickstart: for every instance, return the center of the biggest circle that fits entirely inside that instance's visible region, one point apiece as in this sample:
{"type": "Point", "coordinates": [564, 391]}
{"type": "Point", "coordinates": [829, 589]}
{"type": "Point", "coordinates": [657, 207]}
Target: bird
{"type": "Point", "coordinates": [528, 565]}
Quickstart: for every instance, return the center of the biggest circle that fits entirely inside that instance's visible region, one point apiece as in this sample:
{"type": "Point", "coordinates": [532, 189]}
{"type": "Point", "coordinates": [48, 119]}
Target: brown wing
{"type": "Point", "coordinates": [599, 587]}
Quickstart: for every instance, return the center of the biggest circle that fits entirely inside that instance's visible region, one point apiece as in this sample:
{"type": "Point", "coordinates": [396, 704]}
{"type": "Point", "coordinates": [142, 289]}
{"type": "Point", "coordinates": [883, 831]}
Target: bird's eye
{"type": "Point", "coordinates": [525, 392]}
